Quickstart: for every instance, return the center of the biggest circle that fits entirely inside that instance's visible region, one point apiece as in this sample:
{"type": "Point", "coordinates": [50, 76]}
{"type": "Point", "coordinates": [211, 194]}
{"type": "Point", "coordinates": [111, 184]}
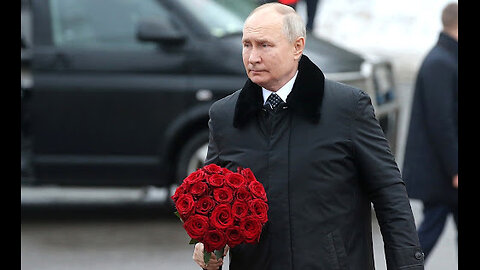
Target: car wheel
{"type": "Point", "coordinates": [192, 157]}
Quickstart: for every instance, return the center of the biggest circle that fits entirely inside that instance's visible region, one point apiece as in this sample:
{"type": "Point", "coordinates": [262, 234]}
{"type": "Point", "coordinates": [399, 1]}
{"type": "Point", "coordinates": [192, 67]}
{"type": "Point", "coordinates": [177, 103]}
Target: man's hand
{"type": "Point", "coordinates": [455, 181]}
{"type": "Point", "coordinates": [213, 264]}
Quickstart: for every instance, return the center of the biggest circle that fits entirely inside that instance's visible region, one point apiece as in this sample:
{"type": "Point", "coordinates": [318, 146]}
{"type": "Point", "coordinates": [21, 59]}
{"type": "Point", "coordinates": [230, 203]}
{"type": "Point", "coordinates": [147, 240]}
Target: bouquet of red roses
{"type": "Point", "coordinates": [219, 207]}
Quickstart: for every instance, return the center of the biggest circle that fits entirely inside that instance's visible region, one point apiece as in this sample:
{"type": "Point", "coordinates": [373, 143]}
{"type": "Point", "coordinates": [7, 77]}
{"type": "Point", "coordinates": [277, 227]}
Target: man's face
{"type": "Point", "coordinates": [270, 60]}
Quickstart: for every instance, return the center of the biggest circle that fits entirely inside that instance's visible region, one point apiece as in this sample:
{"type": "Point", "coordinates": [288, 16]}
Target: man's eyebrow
{"type": "Point", "coordinates": [256, 40]}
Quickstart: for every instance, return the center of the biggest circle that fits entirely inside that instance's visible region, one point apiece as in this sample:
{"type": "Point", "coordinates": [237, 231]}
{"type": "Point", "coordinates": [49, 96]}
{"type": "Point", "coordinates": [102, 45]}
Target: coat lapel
{"type": "Point", "coordinates": [304, 100]}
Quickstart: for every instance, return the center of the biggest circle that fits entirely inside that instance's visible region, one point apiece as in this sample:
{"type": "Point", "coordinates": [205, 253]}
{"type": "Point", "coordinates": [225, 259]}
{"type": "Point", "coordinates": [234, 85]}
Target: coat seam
{"type": "Point", "coordinates": [289, 190]}
{"type": "Point", "coordinates": [354, 116]}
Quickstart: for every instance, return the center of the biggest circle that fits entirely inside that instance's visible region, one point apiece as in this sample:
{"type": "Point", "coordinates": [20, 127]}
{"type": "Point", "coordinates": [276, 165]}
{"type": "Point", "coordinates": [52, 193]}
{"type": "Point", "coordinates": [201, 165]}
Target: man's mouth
{"type": "Point", "coordinates": [254, 71]}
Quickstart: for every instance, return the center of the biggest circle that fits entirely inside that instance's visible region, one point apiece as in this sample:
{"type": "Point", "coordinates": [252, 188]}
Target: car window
{"type": "Point", "coordinates": [103, 23]}
{"type": "Point", "coordinates": [241, 8]}
{"type": "Point", "coordinates": [219, 20]}
{"type": "Point", "coordinates": [26, 24]}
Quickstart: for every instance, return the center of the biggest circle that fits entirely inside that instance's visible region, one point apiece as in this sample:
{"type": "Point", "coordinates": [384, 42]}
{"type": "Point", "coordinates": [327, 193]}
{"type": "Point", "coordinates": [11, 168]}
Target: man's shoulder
{"type": "Point", "coordinates": [439, 56]}
{"type": "Point", "coordinates": [342, 91]}
{"type": "Point", "coordinates": [343, 98]}
{"type": "Point", "coordinates": [225, 104]}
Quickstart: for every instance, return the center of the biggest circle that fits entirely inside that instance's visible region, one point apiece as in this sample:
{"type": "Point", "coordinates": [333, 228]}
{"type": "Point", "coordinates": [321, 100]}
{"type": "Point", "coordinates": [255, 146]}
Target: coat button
{"type": "Point", "coordinates": [418, 255]}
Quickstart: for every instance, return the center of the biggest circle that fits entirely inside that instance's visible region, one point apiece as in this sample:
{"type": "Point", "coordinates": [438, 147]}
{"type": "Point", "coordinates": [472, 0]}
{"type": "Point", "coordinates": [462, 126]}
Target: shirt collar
{"type": "Point", "coordinates": [283, 92]}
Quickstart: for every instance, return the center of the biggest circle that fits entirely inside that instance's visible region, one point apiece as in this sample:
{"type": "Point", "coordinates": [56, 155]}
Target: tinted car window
{"type": "Point", "coordinates": [241, 8]}
{"type": "Point", "coordinates": [220, 21]}
{"type": "Point", "coordinates": [102, 24]}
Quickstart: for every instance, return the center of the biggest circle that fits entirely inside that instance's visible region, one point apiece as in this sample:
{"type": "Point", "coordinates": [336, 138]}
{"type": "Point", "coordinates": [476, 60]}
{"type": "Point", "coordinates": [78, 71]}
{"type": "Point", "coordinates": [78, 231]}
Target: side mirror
{"type": "Point", "coordinates": [156, 30]}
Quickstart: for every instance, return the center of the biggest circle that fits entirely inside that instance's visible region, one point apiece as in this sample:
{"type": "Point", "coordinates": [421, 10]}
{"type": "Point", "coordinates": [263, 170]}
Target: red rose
{"type": "Point", "coordinates": [204, 205]}
{"type": "Point", "coordinates": [220, 207]}
{"type": "Point", "coordinates": [179, 191]}
{"type": "Point", "coordinates": [214, 240]}
{"type": "Point", "coordinates": [239, 210]}
{"type": "Point", "coordinates": [235, 180]}
{"type": "Point", "coordinates": [243, 194]}
{"type": "Point", "coordinates": [221, 217]}
{"type": "Point", "coordinates": [226, 171]}
{"type": "Point", "coordinates": [259, 209]}
{"type": "Point", "coordinates": [234, 236]}
{"type": "Point", "coordinates": [198, 189]}
{"type": "Point", "coordinates": [185, 205]}
{"type": "Point", "coordinates": [196, 226]}
{"type": "Point", "coordinates": [223, 195]}
{"type": "Point", "coordinates": [251, 228]}
{"type": "Point", "coordinates": [257, 190]}
{"type": "Point", "coordinates": [194, 177]}
{"type": "Point", "coordinates": [216, 180]}
{"type": "Point", "coordinates": [212, 168]}
{"type": "Point", "coordinates": [248, 174]}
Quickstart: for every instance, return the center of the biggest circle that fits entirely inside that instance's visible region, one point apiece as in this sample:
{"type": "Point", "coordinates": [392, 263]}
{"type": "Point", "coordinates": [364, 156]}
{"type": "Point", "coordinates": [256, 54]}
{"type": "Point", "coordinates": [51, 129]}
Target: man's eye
{"type": "Point", "coordinates": [264, 45]}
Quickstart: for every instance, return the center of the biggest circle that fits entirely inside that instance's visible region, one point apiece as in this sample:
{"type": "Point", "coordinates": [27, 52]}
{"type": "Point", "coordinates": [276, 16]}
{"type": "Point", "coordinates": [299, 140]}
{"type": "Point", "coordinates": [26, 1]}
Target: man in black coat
{"type": "Point", "coordinates": [430, 167]}
{"type": "Point", "coordinates": [319, 152]}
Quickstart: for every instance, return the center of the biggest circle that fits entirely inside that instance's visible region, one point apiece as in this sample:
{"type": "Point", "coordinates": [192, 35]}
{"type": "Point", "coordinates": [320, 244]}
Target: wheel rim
{"type": "Point", "coordinates": [198, 159]}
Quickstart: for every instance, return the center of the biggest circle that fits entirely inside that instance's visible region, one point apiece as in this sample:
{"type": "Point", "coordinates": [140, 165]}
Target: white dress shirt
{"type": "Point", "coordinates": [283, 92]}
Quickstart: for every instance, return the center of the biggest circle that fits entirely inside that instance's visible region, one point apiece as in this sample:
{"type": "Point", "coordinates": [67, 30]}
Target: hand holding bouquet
{"type": "Point", "coordinates": [219, 207]}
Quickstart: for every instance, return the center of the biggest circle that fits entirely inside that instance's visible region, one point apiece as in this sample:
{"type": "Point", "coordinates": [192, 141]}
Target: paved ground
{"type": "Point", "coordinates": [116, 230]}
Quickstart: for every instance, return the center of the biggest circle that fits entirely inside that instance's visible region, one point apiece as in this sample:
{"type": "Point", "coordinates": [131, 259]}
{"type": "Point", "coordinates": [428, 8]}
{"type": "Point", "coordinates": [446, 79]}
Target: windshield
{"type": "Point", "coordinates": [219, 20]}
{"type": "Point", "coordinates": [240, 7]}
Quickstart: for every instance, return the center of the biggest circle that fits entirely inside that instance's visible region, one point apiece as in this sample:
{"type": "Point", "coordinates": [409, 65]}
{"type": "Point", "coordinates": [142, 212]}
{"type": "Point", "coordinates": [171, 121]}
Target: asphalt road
{"type": "Point", "coordinates": [121, 229]}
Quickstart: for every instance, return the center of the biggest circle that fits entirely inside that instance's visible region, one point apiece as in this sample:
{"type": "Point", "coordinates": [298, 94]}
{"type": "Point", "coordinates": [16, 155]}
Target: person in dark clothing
{"type": "Point", "coordinates": [430, 168]}
{"type": "Point", "coordinates": [319, 151]}
{"type": "Point", "coordinates": [312, 7]}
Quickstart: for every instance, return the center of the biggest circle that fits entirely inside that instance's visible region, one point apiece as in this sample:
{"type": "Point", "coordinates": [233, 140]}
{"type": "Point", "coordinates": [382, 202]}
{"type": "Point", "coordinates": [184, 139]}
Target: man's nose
{"type": "Point", "coordinates": [254, 56]}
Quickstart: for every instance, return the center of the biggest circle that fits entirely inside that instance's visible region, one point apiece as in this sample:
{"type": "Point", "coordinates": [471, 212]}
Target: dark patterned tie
{"type": "Point", "coordinates": [274, 100]}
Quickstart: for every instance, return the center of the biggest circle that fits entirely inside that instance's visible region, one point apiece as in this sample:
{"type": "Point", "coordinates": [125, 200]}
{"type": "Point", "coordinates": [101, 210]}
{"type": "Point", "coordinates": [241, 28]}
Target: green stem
{"type": "Point", "coordinates": [208, 255]}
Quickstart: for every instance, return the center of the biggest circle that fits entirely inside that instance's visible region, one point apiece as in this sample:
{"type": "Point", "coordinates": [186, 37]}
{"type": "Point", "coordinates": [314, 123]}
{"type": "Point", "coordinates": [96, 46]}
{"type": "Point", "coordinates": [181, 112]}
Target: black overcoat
{"type": "Point", "coordinates": [431, 152]}
{"type": "Point", "coordinates": [323, 159]}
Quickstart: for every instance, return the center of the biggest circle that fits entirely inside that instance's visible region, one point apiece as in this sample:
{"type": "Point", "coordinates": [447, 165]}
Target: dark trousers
{"type": "Point", "coordinates": [433, 223]}
{"type": "Point", "coordinates": [311, 12]}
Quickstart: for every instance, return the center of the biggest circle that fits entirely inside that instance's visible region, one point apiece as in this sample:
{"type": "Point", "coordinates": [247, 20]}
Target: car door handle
{"type": "Point", "coordinates": [61, 61]}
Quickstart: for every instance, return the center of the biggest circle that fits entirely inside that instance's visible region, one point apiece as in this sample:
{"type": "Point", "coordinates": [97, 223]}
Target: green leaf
{"type": "Point", "coordinates": [178, 215]}
{"type": "Point", "coordinates": [219, 253]}
{"type": "Point", "coordinates": [193, 242]}
{"type": "Point", "coordinates": [206, 256]}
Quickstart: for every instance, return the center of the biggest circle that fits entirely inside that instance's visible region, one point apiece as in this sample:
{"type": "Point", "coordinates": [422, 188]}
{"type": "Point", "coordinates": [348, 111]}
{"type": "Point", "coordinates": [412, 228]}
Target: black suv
{"type": "Point", "coordinates": [116, 92]}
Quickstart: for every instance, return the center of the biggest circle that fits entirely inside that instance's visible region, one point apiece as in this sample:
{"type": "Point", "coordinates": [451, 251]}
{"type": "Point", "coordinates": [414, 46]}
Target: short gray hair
{"type": "Point", "coordinates": [293, 25]}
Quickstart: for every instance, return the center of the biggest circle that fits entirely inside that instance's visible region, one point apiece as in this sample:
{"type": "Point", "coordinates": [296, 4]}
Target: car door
{"type": "Point", "coordinates": [101, 98]}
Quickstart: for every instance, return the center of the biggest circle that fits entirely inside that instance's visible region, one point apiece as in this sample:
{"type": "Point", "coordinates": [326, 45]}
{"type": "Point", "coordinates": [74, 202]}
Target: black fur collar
{"type": "Point", "coordinates": [305, 98]}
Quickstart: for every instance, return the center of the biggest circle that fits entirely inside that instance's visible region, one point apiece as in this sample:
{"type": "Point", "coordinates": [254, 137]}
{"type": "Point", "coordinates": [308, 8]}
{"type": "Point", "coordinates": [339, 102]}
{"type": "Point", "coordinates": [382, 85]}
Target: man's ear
{"type": "Point", "coordinates": [299, 45]}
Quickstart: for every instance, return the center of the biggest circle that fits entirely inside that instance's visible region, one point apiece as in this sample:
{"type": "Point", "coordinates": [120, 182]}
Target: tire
{"type": "Point", "coordinates": [192, 156]}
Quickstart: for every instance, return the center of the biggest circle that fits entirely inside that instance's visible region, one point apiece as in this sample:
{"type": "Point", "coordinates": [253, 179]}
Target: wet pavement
{"type": "Point", "coordinates": [60, 230]}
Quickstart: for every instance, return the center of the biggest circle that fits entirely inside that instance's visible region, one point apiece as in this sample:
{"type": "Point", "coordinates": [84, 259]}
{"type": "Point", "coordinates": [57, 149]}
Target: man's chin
{"type": "Point", "coordinates": [257, 80]}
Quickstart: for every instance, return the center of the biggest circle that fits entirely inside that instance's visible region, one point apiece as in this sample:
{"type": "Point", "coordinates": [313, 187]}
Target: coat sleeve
{"type": "Point", "coordinates": [381, 179]}
{"type": "Point", "coordinates": [212, 152]}
{"type": "Point", "coordinates": [438, 84]}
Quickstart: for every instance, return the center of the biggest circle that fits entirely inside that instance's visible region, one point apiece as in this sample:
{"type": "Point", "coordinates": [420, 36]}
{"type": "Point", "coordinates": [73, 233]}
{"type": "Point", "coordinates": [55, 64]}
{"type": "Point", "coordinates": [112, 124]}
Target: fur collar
{"type": "Point", "coordinates": [304, 99]}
